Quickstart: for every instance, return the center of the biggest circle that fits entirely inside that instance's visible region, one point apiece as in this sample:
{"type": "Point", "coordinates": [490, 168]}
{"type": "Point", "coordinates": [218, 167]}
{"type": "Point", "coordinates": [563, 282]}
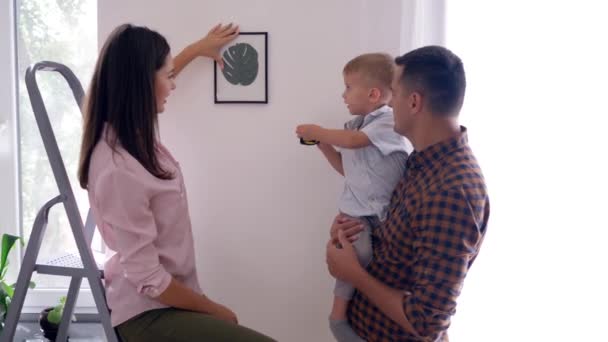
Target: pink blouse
{"type": "Point", "coordinates": [145, 223]}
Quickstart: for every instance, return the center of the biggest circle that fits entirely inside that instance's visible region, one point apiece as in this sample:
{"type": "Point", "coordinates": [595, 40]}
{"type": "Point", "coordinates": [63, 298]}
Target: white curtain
{"type": "Point", "coordinates": [536, 112]}
{"type": "Point", "coordinates": [423, 23]}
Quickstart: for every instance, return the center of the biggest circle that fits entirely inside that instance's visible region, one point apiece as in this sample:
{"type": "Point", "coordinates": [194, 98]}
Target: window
{"type": "Point", "coordinates": [535, 108]}
{"type": "Point", "coordinates": [8, 135]}
{"type": "Point", "coordinates": [63, 31]}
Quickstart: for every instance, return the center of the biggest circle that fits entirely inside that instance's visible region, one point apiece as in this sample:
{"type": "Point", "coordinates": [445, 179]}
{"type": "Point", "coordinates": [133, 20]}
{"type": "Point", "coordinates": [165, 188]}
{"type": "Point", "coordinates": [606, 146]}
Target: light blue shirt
{"type": "Point", "coordinates": [372, 172]}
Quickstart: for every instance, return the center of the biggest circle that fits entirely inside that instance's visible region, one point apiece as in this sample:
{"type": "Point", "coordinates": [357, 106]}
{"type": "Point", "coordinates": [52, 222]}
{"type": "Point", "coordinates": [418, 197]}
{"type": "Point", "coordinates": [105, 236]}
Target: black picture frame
{"type": "Point", "coordinates": [222, 87]}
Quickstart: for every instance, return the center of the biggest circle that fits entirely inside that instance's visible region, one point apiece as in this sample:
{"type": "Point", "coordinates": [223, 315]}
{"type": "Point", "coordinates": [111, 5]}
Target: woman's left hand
{"type": "Point", "coordinates": [212, 43]}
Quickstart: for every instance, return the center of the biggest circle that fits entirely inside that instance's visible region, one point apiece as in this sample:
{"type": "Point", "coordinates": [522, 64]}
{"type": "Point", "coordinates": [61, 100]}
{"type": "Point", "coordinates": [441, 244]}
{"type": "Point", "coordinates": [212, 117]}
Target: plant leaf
{"type": "Point", "coordinates": [3, 305]}
{"type": "Point", "coordinates": [54, 316]}
{"type": "Point", "coordinates": [7, 289]}
{"type": "Point", "coordinates": [240, 64]}
{"type": "Point", "coordinates": [7, 244]}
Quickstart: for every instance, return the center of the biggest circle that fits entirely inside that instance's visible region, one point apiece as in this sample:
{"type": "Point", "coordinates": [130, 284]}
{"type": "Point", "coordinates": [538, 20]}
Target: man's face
{"type": "Point", "coordinates": [402, 105]}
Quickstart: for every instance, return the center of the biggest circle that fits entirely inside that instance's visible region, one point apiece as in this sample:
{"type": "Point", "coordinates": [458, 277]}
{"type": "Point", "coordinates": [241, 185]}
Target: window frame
{"type": "Point", "coordinates": [37, 298]}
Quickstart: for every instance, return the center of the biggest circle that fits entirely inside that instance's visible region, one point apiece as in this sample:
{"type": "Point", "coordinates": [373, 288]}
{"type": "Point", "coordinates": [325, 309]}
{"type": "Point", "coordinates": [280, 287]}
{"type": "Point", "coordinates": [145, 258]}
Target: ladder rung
{"type": "Point", "coordinates": [64, 271]}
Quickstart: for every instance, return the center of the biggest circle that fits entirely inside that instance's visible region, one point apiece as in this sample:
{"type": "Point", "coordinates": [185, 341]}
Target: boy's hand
{"type": "Point", "coordinates": [309, 132]}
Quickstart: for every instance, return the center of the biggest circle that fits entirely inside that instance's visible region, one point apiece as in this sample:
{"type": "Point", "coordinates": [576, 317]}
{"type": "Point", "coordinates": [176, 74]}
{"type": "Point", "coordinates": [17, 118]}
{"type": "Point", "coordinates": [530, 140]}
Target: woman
{"type": "Point", "coordinates": [136, 192]}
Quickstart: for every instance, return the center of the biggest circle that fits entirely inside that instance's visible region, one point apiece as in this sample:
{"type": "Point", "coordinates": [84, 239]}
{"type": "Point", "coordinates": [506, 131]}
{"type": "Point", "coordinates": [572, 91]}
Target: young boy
{"type": "Point", "coordinates": [370, 156]}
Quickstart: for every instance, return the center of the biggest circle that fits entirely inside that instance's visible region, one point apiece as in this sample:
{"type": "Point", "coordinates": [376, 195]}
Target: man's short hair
{"type": "Point", "coordinates": [438, 74]}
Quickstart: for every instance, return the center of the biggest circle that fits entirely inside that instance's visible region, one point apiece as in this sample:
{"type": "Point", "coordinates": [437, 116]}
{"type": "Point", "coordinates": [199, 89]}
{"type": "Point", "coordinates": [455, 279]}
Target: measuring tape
{"type": "Point", "coordinates": [308, 142]}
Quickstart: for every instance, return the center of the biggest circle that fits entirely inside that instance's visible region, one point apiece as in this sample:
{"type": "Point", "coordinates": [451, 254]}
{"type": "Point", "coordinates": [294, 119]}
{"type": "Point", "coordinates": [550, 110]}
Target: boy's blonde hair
{"type": "Point", "coordinates": [376, 68]}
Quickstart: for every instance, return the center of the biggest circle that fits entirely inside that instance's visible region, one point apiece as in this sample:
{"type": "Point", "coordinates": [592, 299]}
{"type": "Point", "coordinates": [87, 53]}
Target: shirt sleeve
{"type": "Point", "coordinates": [124, 207]}
{"type": "Point", "coordinates": [447, 240]}
{"type": "Point", "coordinates": [381, 133]}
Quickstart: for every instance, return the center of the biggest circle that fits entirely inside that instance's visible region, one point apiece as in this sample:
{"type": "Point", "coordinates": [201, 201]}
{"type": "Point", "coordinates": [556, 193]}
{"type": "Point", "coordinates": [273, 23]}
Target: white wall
{"type": "Point", "coordinates": [261, 203]}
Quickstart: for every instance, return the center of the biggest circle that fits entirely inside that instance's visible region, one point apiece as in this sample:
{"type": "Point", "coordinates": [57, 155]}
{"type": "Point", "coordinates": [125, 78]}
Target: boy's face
{"type": "Point", "coordinates": [357, 94]}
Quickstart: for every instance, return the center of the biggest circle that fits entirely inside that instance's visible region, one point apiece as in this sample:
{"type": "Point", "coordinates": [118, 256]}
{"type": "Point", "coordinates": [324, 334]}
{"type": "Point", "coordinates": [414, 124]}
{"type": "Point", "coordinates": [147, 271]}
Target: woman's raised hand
{"type": "Point", "coordinates": [212, 43]}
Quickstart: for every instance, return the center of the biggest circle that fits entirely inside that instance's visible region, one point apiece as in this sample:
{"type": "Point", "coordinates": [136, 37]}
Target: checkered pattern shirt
{"type": "Point", "coordinates": [435, 226]}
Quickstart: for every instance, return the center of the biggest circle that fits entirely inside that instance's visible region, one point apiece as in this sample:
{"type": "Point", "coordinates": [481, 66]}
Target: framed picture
{"type": "Point", "coordinates": [244, 78]}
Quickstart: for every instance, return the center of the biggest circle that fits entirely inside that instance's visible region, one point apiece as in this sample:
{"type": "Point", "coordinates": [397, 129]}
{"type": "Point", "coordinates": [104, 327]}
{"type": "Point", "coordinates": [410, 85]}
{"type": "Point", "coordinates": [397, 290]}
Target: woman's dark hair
{"type": "Point", "coordinates": [122, 96]}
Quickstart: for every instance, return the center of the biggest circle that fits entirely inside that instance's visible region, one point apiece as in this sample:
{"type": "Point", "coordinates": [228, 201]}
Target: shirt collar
{"type": "Point", "coordinates": [380, 110]}
{"type": "Point", "coordinates": [369, 117]}
{"type": "Point", "coordinates": [436, 152]}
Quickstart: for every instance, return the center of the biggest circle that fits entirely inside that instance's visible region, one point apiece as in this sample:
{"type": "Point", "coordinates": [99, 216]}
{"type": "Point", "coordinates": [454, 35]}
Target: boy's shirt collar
{"type": "Point", "coordinates": [380, 110]}
{"type": "Point", "coordinates": [371, 116]}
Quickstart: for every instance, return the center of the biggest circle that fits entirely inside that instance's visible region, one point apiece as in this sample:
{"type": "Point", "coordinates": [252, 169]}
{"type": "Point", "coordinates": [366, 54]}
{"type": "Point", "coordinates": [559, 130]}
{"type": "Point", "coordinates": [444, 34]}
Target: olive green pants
{"type": "Point", "coordinates": [173, 325]}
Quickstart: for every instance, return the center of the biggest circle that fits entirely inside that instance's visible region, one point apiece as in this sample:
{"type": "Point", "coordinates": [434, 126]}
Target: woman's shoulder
{"type": "Point", "coordinates": [114, 160]}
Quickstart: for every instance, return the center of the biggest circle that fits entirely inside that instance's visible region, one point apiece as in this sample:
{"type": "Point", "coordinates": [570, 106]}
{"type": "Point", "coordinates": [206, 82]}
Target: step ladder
{"type": "Point", "coordinates": [77, 266]}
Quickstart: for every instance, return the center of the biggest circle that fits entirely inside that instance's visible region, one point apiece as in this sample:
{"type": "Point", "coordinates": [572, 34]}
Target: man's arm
{"type": "Point", "coordinates": [448, 239]}
{"type": "Point", "coordinates": [449, 230]}
{"type": "Point", "coordinates": [387, 299]}
{"type": "Point", "coordinates": [343, 264]}
{"type": "Point", "coordinates": [333, 157]}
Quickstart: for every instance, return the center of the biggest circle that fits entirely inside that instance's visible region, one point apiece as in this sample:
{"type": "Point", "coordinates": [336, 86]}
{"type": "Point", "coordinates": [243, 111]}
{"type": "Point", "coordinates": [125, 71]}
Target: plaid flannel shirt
{"type": "Point", "coordinates": [435, 226]}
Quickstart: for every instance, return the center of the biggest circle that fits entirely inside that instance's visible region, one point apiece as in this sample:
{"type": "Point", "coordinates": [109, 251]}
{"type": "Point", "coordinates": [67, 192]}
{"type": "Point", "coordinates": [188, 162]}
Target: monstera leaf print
{"type": "Point", "coordinates": [240, 64]}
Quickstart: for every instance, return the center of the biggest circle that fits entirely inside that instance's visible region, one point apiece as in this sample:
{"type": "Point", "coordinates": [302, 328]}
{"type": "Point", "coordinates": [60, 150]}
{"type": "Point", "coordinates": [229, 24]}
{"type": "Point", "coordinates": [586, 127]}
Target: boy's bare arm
{"type": "Point", "coordinates": [333, 157]}
{"type": "Point", "coordinates": [343, 138]}
{"type": "Point", "coordinates": [336, 137]}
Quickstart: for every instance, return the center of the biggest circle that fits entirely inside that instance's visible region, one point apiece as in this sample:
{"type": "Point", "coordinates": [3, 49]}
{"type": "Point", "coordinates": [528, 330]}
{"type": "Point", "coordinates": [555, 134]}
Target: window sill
{"type": "Point", "coordinates": [39, 299]}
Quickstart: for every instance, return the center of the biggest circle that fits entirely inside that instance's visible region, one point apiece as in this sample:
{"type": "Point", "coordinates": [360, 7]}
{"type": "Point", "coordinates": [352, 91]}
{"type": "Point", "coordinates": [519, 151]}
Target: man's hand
{"type": "Point", "coordinates": [309, 132]}
{"type": "Point", "coordinates": [342, 262]}
{"type": "Point", "coordinates": [350, 226]}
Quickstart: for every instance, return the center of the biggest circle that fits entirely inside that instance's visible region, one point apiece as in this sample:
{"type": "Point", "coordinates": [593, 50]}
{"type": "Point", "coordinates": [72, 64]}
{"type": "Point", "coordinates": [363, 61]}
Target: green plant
{"type": "Point", "coordinates": [57, 311]}
{"type": "Point", "coordinates": [6, 290]}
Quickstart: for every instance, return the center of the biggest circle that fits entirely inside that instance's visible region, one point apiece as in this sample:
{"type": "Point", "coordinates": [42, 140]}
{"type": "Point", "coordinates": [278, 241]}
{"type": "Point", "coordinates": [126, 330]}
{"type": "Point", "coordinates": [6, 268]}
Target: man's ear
{"type": "Point", "coordinates": [415, 102]}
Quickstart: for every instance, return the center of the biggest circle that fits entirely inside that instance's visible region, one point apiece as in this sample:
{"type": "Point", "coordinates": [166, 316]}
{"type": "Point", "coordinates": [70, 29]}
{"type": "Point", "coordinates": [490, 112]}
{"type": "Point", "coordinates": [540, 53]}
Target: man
{"type": "Point", "coordinates": [437, 216]}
